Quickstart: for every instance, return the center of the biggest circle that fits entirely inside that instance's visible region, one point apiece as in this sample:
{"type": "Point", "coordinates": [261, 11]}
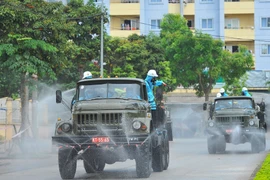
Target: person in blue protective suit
{"type": "Point", "coordinates": [245, 92]}
{"type": "Point", "coordinates": [150, 83]}
{"type": "Point", "coordinates": [223, 93]}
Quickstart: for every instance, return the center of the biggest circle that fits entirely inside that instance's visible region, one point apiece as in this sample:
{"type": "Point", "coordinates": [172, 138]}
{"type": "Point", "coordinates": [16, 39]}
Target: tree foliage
{"type": "Point", "coordinates": [134, 56]}
{"type": "Point", "coordinates": [197, 60]}
{"type": "Point", "coordinates": [36, 36]}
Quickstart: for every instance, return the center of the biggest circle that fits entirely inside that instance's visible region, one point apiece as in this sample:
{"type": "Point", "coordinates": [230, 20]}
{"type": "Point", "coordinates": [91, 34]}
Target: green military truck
{"type": "Point", "coordinates": [111, 122]}
{"type": "Point", "coordinates": [234, 120]}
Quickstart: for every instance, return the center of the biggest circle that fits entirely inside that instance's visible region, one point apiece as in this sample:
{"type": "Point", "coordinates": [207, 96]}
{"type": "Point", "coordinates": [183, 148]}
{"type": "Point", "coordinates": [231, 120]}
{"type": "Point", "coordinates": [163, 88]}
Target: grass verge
{"type": "Point", "coordinates": [264, 172]}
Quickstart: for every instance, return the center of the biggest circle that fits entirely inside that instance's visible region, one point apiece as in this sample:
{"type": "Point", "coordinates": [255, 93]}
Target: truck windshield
{"type": "Point", "coordinates": [109, 90]}
{"type": "Point", "coordinates": [233, 104]}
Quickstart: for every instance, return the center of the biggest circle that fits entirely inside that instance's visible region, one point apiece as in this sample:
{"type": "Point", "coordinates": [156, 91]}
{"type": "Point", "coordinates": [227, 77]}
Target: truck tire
{"type": "Point", "coordinates": [144, 160]}
{"type": "Point", "coordinates": [67, 163]}
{"type": "Point", "coordinates": [220, 144]}
{"type": "Point", "coordinates": [211, 144]}
{"type": "Point", "coordinates": [167, 153]}
{"type": "Point", "coordinates": [169, 130]}
{"type": "Point", "coordinates": [262, 140]}
{"type": "Point", "coordinates": [256, 144]}
{"type": "Point", "coordinates": [158, 161]}
{"type": "Point", "coordinates": [94, 165]}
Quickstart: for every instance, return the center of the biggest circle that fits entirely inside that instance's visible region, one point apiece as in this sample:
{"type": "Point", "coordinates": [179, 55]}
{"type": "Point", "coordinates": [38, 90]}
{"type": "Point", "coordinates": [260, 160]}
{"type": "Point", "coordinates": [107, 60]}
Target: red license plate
{"type": "Point", "coordinates": [100, 139]}
{"type": "Point", "coordinates": [229, 131]}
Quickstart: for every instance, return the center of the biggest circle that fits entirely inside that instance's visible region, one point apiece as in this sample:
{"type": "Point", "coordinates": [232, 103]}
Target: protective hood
{"type": "Point", "coordinates": [149, 78]}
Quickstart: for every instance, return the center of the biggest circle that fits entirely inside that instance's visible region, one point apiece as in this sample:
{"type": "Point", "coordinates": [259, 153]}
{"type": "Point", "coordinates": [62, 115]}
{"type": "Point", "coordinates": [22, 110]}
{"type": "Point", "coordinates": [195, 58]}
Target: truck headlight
{"type": "Point", "coordinates": [251, 123]}
{"type": "Point", "coordinates": [211, 124]}
{"type": "Point", "coordinates": [136, 125]}
{"type": "Point", "coordinates": [65, 127]}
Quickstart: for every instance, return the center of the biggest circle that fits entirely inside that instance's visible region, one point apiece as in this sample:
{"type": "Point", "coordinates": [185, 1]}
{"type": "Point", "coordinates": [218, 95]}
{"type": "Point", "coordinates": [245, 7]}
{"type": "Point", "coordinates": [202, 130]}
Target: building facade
{"type": "Point", "coordinates": [236, 22]}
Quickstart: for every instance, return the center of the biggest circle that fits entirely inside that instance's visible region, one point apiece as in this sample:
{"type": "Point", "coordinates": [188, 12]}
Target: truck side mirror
{"type": "Point", "coordinates": [159, 93]}
{"type": "Point", "coordinates": [204, 106]}
{"type": "Point", "coordinates": [58, 96]}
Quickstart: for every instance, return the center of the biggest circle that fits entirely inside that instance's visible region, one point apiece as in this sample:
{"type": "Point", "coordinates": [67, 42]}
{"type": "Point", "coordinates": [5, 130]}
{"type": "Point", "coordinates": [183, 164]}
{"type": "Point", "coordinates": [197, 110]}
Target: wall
{"type": "Point", "coordinates": [215, 11]}
{"type": "Point", "coordinates": [262, 35]}
{"type": "Point", "coordinates": [151, 11]}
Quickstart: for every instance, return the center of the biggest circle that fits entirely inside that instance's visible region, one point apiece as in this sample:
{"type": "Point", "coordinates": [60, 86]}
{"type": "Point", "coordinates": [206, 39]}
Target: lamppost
{"type": "Point", "coordinates": [101, 42]}
{"type": "Point", "coordinates": [181, 8]}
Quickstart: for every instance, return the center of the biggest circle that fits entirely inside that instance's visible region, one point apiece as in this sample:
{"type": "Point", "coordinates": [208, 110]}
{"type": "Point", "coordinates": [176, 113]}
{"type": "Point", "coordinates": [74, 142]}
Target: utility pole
{"type": "Point", "coordinates": [101, 42]}
{"type": "Point", "coordinates": [181, 8]}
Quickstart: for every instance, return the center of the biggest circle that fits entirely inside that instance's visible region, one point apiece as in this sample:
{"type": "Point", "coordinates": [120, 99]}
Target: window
{"type": "Point", "coordinates": [207, 23]}
{"type": "Point", "coordinates": [155, 24]}
{"type": "Point", "coordinates": [265, 22]}
{"type": "Point", "coordinates": [234, 49]}
{"type": "Point", "coordinates": [190, 23]}
{"type": "Point", "coordinates": [265, 49]}
{"type": "Point", "coordinates": [130, 24]}
{"type": "Point", "coordinates": [231, 23]}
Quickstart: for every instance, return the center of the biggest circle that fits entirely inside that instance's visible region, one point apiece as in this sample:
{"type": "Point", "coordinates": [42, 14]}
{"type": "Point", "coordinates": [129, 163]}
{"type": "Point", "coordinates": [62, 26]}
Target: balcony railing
{"type": "Point", "coordinates": [241, 34]}
{"type": "Point", "coordinates": [184, 1]}
{"type": "Point", "coordinates": [127, 27]}
{"type": "Point", "coordinates": [125, 1]}
{"type": "Point", "coordinates": [247, 27]}
{"type": "Point", "coordinates": [239, 1]}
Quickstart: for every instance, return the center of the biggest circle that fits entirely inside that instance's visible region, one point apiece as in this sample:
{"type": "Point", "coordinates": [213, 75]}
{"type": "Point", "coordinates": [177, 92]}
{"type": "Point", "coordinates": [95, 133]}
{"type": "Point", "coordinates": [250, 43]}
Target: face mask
{"type": "Point", "coordinates": [153, 80]}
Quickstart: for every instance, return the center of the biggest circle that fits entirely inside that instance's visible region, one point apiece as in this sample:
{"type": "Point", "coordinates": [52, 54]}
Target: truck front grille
{"type": "Point", "coordinates": [103, 119]}
{"type": "Point", "coordinates": [87, 119]}
{"type": "Point", "coordinates": [98, 122]}
{"type": "Point", "coordinates": [236, 120]}
{"type": "Point", "coordinates": [111, 118]}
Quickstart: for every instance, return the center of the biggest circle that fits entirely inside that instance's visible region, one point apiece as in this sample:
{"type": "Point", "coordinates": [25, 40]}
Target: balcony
{"type": "Point", "coordinates": [124, 7]}
{"type": "Point", "coordinates": [241, 34]}
{"type": "Point", "coordinates": [174, 7]}
{"type": "Point", "coordinates": [125, 1]}
{"type": "Point", "coordinates": [240, 7]}
{"type": "Point", "coordinates": [123, 33]}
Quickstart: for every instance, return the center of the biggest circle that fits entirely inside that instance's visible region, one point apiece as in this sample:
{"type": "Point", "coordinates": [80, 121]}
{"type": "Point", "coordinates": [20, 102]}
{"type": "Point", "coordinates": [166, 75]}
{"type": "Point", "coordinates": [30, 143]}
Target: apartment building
{"type": "Point", "coordinates": [245, 22]}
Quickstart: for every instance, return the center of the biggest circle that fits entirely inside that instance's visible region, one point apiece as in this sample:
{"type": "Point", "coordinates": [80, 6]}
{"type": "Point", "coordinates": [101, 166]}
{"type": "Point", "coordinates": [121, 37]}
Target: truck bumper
{"type": "Point", "coordinates": [230, 130]}
{"type": "Point", "coordinates": [82, 140]}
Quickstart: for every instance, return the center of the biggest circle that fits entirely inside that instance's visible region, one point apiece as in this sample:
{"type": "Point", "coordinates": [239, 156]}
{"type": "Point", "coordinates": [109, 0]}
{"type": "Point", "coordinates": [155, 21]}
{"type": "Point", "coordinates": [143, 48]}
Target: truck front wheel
{"type": "Point", "coordinates": [159, 157]}
{"type": "Point", "coordinates": [67, 162]}
{"type": "Point", "coordinates": [144, 159]}
{"type": "Point", "coordinates": [169, 130]}
{"type": "Point", "coordinates": [211, 145]}
{"type": "Point", "coordinates": [94, 165]}
{"type": "Point", "coordinates": [167, 152]}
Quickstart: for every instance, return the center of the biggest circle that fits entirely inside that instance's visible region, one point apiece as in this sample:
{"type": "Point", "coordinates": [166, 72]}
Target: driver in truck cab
{"type": "Point", "coordinates": [86, 75]}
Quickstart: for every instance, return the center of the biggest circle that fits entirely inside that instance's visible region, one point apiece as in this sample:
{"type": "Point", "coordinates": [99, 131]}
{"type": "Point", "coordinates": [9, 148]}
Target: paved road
{"type": "Point", "coordinates": [189, 161]}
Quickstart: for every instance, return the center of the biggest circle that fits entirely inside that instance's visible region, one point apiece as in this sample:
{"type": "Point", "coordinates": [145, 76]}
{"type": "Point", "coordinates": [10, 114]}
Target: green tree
{"type": "Point", "coordinates": [135, 55]}
{"type": "Point", "coordinates": [236, 65]}
{"type": "Point", "coordinates": [235, 87]}
{"type": "Point", "coordinates": [197, 60]}
{"type": "Point", "coordinates": [21, 55]}
{"type": "Point", "coordinates": [28, 30]}
{"type": "Point", "coordinates": [84, 44]}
